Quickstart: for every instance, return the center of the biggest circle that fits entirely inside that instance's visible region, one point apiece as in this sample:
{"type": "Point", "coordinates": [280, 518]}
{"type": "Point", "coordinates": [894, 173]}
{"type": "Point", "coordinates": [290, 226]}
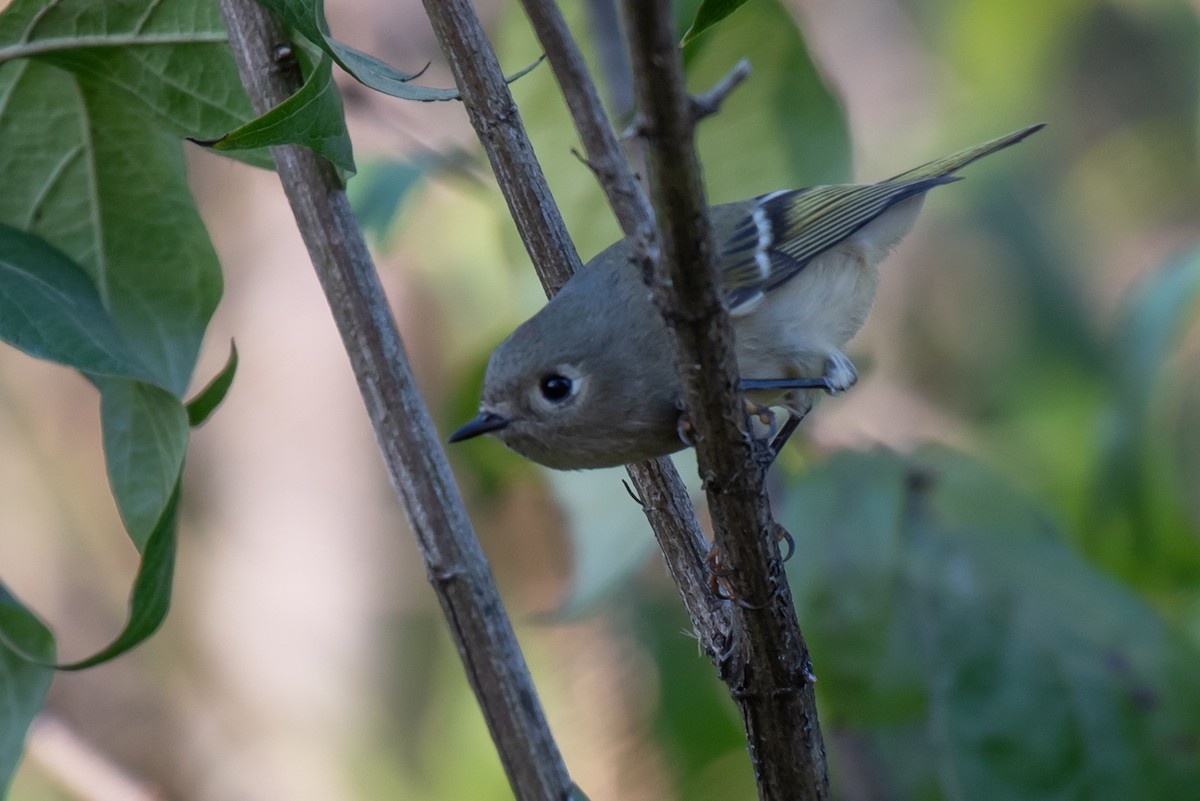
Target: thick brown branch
{"type": "Point", "coordinates": [415, 460]}
{"type": "Point", "coordinates": [769, 664]}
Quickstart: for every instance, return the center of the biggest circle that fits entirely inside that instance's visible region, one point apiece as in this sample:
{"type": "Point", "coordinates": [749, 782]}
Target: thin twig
{"type": "Point", "coordinates": [709, 103]}
{"type": "Point", "coordinates": [665, 500]}
{"type": "Point", "coordinates": [604, 155]}
{"type": "Point", "coordinates": [769, 668]}
{"type": "Point", "coordinates": [416, 463]}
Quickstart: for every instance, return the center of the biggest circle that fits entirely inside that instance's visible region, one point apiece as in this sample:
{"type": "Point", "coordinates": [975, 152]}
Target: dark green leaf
{"type": "Point", "coordinates": [111, 193]}
{"type": "Point", "coordinates": [308, 17]}
{"type": "Point", "coordinates": [943, 609]}
{"type": "Point", "coordinates": [311, 117]}
{"type": "Point", "coordinates": [709, 14]}
{"type": "Point", "coordinates": [49, 308]}
{"type": "Point", "coordinates": [151, 596]}
{"type": "Point", "coordinates": [201, 407]}
{"type": "Point", "coordinates": [168, 58]}
{"type": "Point", "coordinates": [26, 650]}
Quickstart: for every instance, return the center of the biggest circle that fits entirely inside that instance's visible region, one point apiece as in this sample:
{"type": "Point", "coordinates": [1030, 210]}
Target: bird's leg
{"type": "Point", "coordinates": [839, 375]}
{"type": "Point", "coordinates": [782, 436]}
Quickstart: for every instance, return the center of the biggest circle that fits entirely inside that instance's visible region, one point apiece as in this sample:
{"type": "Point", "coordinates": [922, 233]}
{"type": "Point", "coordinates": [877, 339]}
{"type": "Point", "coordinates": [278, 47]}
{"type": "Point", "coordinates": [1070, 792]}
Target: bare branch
{"type": "Point", "coordinates": [664, 498]}
{"type": "Point", "coordinates": [709, 103]}
{"type": "Point", "coordinates": [768, 669]}
{"type": "Point", "coordinates": [605, 158]}
{"type": "Point", "coordinates": [415, 460]}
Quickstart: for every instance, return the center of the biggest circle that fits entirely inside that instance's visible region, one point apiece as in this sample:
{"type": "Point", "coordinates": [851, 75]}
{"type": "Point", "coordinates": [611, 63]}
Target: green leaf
{"type": "Point", "coordinates": [709, 14]}
{"type": "Point", "coordinates": [109, 191]}
{"type": "Point", "coordinates": [145, 439]}
{"type": "Point", "coordinates": [983, 658]}
{"type": "Point", "coordinates": [50, 309]}
{"type": "Point", "coordinates": [151, 596]}
{"type": "Point", "coordinates": [201, 407]}
{"type": "Point", "coordinates": [312, 117]}
{"type": "Point", "coordinates": [23, 683]}
{"type": "Point", "coordinates": [308, 17]}
{"type": "Point", "coordinates": [168, 58]}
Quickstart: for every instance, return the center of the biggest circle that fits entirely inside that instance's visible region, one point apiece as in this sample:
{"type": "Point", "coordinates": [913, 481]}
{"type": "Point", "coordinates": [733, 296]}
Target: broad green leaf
{"type": "Point", "coordinates": [151, 596]}
{"type": "Point", "coordinates": [23, 683]}
{"type": "Point", "coordinates": [944, 611]}
{"type": "Point", "coordinates": [145, 439]}
{"type": "Point", "coordinates": [201, 407]}
{"type": "Point", "coordinates": [169, 59]}
{"type": "Point", "coordinates": [49, 308]}
{"type": "Point", "coordinates": [110, 191]}
{"type": "Point", "coordinates": [308, 17]}
{"type": "Point", "coordinates": [709, 14]}
{"type": "Point", "coordinates": [311, 117]}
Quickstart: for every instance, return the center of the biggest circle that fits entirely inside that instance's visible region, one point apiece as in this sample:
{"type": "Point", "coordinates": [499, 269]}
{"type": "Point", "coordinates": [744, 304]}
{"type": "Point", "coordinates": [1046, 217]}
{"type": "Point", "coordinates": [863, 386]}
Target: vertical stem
{"type": "Point", "coordinates": [415, 461]}
{"type": "Point", "coordinates": [768, 670]}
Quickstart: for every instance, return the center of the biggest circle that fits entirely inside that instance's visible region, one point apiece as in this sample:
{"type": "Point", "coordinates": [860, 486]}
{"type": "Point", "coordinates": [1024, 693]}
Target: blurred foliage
{"type": "Point", "coordinates": [1021, 622]}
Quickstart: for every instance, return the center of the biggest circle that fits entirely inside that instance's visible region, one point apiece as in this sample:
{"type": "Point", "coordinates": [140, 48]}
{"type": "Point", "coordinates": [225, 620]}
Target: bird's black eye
{"type": "Point", "coordinates": [556, 388]}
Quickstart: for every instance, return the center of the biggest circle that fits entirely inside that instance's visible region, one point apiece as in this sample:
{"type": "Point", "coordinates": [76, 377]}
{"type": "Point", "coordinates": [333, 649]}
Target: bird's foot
{"type": "Point", "coordinates": [840, 373]}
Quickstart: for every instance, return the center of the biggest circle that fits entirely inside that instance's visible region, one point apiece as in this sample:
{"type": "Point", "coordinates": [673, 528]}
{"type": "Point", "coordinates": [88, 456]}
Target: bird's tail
{"type": "Point", "coordinates": [955, 162]}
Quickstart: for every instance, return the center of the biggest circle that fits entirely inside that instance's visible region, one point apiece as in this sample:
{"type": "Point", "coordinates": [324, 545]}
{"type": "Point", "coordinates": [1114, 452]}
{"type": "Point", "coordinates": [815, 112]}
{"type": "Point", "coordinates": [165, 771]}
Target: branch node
{"type": "Point", "coordinates": [709, 103]}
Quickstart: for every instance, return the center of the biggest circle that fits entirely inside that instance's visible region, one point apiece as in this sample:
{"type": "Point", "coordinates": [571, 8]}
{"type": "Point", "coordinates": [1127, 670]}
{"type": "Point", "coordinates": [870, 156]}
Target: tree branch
{"type": "Point", "coordinates": [491, 110]}
{"type": "Point", "coordinates": [415, 461]}
{"type": "Point", "coordinates": [664, 499]}
{"type": "Point", "coordinates": [768, 670]}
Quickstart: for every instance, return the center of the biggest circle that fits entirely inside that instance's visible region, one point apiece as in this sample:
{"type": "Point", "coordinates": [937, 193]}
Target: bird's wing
{"type": "Point", "coordinates": [767, 242]}
{"type": "Point", "coordinates": [784, 231]}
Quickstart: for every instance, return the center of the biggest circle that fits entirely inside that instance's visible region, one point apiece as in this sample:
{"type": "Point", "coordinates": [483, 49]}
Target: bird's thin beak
{"type": "Point", "coordinates": [485, 422]}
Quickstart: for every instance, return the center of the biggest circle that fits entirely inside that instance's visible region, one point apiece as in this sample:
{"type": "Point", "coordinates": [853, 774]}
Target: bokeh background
{"type": "Point", "coordinates": [1025, 626]}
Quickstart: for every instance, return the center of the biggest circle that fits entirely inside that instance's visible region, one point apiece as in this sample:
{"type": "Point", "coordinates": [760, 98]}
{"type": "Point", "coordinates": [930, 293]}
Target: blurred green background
{"type": "Point", "coordinates": [998, 529]}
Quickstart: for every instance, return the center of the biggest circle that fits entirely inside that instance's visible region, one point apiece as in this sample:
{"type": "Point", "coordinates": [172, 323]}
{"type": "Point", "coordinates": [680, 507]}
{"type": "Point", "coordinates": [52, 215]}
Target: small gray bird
{"type": "Point", "coordinates": [590, 380]}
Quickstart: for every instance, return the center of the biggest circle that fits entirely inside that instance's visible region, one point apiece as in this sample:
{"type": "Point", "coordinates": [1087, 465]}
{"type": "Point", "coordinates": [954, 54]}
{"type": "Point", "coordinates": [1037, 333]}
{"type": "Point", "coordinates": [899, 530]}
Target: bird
{"type": "Point", "coordinates": [590, 380]}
